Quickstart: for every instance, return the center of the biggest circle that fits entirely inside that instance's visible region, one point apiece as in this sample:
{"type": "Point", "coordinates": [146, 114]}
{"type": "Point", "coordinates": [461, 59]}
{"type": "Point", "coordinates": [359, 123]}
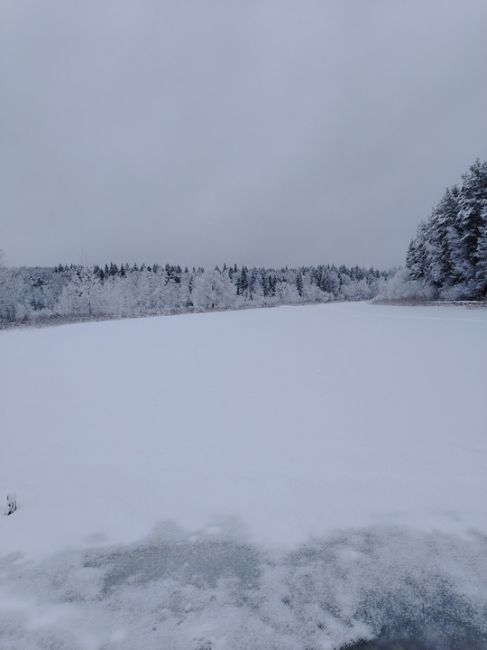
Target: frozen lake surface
{"type": "Point", "coordinates": [283, 478]}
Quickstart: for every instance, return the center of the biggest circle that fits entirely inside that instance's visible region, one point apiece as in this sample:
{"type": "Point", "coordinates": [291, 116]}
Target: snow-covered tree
{"type": "Point", "coordinates": [118, 291]}
{"type": "Point", "coordinates": [481, 254]}
{"type": "Point", "coordinates": [472, 213]}
{"type": "Point", "coordinates": [449, 250]}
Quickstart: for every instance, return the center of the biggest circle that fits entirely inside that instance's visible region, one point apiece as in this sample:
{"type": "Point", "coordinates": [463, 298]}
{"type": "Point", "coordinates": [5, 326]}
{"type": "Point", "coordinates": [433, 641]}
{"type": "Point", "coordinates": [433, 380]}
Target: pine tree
{"type": "Point", "coordinates": [299, 284]}
{"type": "Point", "coordinates": [472, 212]}
{"type": "Point", "coordinates": [481, 273]}
{"type": "Point", "coordinates": [445, 216]}
{"type": "Point", "coordinates": [243, 282]}
{"type": "Point", "coordinates": [412, 260]}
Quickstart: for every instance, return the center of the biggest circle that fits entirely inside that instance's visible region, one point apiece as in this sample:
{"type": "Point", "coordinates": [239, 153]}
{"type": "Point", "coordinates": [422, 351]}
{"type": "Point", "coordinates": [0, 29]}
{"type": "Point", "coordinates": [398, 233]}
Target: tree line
{"type": "Point", "coordinates": [118, 291]}
{"type": "Point", "coordinates": [446, 260]}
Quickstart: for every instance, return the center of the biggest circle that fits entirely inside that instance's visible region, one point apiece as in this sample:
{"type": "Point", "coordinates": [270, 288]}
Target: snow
{"type": "Point", "coordinates": [297, 430]}
{"type": "Point", "coordinates": [297, 421]}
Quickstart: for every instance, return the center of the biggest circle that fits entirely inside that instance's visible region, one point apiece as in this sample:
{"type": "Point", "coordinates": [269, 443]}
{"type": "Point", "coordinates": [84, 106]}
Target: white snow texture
{"type": "Point", "coordinates": [298, 477]}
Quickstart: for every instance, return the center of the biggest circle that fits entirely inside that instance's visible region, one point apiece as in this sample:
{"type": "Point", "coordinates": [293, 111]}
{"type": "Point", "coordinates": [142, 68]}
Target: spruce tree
{"type": "Point", "coordinates": [299, 284]}
{"type": "Point", "coordinates": [481, 254]}
{"type": "Point", "coordinates": [473, 212]}
{"type": "Point", "coordinates": [445, 216]}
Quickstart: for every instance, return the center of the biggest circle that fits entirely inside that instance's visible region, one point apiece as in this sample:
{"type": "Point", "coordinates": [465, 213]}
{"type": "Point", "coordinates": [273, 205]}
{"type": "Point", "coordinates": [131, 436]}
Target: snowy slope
{"type": "Point", "coordinates": [266, 427]}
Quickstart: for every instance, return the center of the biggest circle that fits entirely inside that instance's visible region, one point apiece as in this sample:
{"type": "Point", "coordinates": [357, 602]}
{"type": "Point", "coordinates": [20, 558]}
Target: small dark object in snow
{"type": "Point", "coordinates": [11, 504]}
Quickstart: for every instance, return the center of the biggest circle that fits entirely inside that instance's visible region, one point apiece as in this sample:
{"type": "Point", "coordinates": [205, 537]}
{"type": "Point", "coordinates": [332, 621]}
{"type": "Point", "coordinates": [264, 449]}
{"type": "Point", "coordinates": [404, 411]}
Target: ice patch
{"type": "Point", "coordinates": [194, 591]}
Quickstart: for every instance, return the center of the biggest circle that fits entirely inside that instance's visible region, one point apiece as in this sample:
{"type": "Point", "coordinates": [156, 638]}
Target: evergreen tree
{"type": "Point", "coordinates": [473, 211]}
{"type": "Point", "coordinates": [449, 250]}
{"type": "Point", "coordinates": [481, 275]}
{"type": "Point", "coordinates": [445, 216]}
{"type": "Point", "coordinates": [299, 284]}
{"type": "Point", "coordinates": [243, 282]}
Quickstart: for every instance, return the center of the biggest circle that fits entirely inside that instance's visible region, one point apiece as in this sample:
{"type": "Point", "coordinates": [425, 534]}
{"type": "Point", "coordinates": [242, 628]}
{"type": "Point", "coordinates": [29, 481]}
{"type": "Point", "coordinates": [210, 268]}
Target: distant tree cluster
{"type": "Point", "coordinates": [118, 291]}
{"type": "Point", "coordinates": [449, 252]}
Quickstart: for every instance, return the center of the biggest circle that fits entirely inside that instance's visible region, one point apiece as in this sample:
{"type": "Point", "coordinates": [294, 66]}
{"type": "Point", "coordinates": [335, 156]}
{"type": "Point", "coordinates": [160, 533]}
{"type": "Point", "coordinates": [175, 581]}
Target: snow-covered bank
{"type": "Point", "coordinates": [268, 427]}
{"type": "Point", "coordinates": [421, 302]}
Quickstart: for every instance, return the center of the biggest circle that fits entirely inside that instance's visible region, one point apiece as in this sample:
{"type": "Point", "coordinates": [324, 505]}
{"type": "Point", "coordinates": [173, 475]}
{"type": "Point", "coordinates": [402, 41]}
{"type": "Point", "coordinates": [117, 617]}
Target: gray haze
{"type": "Point", "coordinates": [265, 132]}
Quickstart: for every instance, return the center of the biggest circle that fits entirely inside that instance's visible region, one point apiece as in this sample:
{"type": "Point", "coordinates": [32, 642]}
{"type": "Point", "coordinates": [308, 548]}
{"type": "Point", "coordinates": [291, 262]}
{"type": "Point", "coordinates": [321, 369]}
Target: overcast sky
{"type": "Point", "coordinates": [266, 132]}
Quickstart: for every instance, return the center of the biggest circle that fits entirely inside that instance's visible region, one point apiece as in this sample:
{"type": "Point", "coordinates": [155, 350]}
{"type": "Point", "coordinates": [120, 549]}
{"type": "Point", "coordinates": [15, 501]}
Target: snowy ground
{"type": "Point", "coordinates": [282, 478]}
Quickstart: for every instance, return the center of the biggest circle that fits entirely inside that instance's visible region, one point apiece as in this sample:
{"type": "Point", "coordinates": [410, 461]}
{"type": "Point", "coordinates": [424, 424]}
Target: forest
{"type": "Point", "coordinates": [72, 292]}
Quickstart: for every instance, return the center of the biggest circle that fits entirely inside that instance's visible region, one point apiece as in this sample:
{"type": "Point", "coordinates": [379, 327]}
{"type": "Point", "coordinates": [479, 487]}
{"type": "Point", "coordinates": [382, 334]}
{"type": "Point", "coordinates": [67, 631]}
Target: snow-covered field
{"type": "Point", "coordinates": [297, 477]}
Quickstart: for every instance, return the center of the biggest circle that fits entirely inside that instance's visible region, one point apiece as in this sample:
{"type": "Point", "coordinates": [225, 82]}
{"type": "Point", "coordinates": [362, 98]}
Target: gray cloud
{"type": "Point", "coordinates": [262, 131]}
